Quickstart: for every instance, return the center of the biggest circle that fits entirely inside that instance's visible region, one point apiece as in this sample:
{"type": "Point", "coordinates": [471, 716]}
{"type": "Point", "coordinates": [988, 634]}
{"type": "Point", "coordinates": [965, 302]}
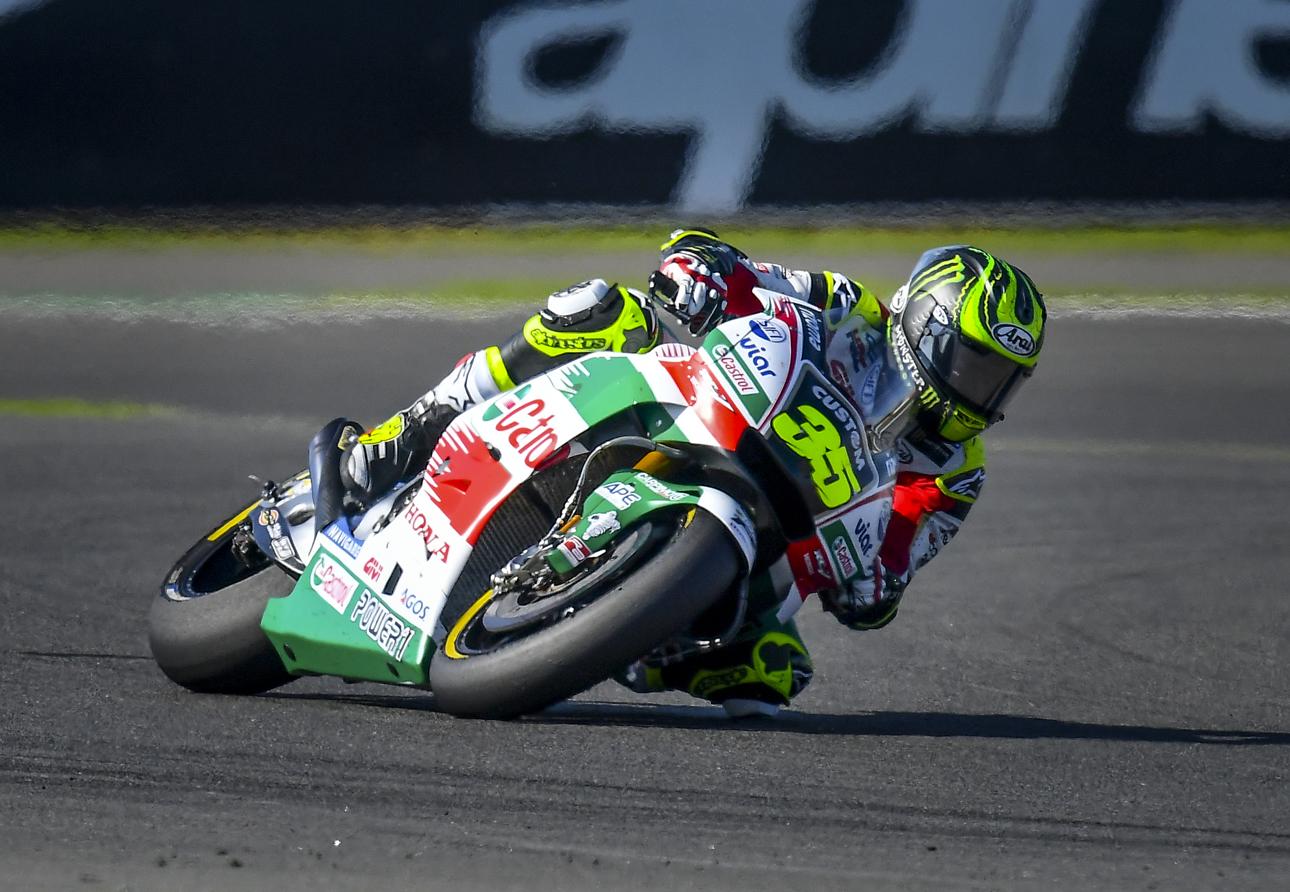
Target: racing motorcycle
{"type": "Point", "coordinates": [610, 510]}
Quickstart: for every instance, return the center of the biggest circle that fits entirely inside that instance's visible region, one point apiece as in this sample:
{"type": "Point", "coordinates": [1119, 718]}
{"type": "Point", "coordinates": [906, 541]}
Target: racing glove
{"type": "Point", "coordinates": [691, 289]}
{"type": "Point", "coordinates": [866, 603]}
{"type": "Point", "coordinates": [695, 277]}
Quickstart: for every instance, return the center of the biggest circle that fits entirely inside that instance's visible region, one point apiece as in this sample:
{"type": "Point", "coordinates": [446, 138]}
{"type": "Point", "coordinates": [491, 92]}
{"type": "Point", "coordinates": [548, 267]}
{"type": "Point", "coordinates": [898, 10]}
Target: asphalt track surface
{"type": "Point", "coordinates": [1087, 690]}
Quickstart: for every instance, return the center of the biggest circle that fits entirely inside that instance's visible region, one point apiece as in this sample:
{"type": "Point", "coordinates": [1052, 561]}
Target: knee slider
{"type": "Point", "coordinates": [589, 316]}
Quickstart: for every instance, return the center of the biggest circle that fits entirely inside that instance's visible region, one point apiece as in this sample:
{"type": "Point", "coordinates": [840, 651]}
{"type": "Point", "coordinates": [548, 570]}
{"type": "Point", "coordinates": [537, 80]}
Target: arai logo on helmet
{"type": "Point", "coordinates": [1014, 339]}
{"type": "Point", "coordinates": [772, 333]}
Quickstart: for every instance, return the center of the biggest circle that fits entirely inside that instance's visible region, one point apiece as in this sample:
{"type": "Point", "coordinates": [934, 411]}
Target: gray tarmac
{"type": "Point", "coordinates": [1087, 690]}
{"type": "Point", "coordinates": [151, 273]}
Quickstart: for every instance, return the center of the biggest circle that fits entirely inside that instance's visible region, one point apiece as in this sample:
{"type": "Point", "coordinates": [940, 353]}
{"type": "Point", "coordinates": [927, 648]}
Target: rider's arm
{"type": "Point", "coordinates": [704, 269]}
{"type": "Point", "coordinates": [928, 506]}
{"type": "Point", "coordinates": [927, 510]}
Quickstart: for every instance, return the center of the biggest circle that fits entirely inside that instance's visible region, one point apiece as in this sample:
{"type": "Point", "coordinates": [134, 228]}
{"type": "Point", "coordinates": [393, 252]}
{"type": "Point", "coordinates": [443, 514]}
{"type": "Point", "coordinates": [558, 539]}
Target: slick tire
{"type": "Point", "coordinates": [212, 642]}
{"type": "Point", "coordinates": [684, 575]}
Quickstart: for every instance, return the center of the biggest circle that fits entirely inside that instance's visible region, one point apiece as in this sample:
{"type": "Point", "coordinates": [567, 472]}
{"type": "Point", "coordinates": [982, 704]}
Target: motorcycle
{"type": "Point", "coordinates": [610, 510]}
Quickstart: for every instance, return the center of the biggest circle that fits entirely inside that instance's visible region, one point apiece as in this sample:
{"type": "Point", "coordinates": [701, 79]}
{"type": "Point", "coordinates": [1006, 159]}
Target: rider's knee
{"type": "Point", "coordinates": [581, 319]}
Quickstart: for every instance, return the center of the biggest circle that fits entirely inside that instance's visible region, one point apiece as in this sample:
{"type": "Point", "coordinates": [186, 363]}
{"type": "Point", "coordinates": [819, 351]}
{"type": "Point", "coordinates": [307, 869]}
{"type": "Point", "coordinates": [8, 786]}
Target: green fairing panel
{"type": "Point", "coordinates": [610, 384]}
{"type": "Point", "coordinates": [363, 640]}
{"type": "Point", "coordinates": [624, 498]}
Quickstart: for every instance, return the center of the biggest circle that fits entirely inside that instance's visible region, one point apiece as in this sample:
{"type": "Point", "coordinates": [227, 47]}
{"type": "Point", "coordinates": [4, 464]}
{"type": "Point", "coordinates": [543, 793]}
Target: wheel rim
{"type": "Point", "coordinates": [472, 636]}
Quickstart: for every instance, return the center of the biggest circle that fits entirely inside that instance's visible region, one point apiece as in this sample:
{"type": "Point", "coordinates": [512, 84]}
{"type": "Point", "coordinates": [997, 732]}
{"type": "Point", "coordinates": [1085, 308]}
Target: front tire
{"type": "Point", "coordinates": [684, 575]}
{"type": "Point", "coordinates": [204, 629]}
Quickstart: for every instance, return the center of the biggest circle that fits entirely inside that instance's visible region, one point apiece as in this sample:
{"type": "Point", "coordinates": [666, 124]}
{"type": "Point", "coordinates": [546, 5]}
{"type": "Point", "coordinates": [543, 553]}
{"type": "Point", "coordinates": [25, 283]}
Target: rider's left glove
{"type": "Point", "coordinates": [866, 603]}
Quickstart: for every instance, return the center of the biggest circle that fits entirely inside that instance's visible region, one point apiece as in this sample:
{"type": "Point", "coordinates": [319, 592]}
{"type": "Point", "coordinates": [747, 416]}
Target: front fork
{"type": "Point", "coordinates": [627, 497]}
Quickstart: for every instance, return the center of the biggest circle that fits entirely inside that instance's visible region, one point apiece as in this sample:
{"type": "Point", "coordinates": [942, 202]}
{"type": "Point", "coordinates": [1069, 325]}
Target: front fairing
{"type": "Point", "coordinates": [369, 605]}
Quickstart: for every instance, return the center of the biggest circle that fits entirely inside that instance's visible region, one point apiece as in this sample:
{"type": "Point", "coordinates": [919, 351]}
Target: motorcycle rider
{"type": "Point", "coordinates": [930, 372]}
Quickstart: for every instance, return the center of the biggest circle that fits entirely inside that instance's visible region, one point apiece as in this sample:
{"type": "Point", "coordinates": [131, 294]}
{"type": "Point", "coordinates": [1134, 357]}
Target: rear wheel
{"type": "Point", "coordinates": [653, 582]}
{"type": "Point", "coordinates": [204, 629]}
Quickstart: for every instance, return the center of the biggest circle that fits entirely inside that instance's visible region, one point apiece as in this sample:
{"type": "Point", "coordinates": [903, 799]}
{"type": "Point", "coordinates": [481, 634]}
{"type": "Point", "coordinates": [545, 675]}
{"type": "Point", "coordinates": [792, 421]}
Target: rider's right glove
{"type": "Point", "coordinates": [867, 603]}
{"type": "Point", "coordinates": [702, 279]}
{"type": "Point", "coordinates": [691, 289]}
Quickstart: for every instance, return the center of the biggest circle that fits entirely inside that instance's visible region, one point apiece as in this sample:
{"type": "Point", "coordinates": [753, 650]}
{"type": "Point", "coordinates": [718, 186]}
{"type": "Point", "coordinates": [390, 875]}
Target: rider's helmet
{"type": "Point", "coordinates": [967, 328]}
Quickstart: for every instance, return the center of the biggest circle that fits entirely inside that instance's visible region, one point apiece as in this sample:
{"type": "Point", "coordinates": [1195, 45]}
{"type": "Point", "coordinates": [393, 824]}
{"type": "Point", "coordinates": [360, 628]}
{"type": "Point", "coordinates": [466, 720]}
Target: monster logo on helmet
{"type": "Point", "coordinates": [970, 326]}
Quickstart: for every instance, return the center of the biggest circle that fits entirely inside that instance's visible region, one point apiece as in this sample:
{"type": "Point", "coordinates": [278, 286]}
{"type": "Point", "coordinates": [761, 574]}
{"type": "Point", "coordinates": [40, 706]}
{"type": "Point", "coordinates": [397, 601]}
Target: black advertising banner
{"type": "Point", "coordinates": [708, 106]}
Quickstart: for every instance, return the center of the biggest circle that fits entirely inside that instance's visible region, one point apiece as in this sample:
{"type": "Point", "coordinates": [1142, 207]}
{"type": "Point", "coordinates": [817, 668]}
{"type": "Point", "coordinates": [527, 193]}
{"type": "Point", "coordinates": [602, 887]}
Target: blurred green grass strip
{"type": "Point", "coordinates": [73, 407]}
{"type": "Point", "coordinates": [540, 239]}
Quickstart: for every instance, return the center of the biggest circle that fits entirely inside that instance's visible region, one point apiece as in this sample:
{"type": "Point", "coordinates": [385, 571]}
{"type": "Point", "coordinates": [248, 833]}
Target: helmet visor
{"type": "Point", "coordinates": [982, 379]}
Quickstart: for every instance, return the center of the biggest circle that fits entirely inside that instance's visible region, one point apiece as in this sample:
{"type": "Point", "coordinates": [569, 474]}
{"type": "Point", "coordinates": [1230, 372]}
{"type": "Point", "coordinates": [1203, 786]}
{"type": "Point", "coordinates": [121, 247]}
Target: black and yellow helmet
{"type": "Point", "coordinates": [968, 328]}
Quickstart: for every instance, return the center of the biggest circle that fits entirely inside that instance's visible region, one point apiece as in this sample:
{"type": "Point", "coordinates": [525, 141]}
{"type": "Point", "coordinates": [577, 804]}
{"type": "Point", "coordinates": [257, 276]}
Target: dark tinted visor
{"type": "Point", "coordinates": [962, 369]}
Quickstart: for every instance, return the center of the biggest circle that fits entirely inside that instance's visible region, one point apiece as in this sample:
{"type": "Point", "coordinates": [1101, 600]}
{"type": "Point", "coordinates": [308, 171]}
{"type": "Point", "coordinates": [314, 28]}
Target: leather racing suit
{"type": "Point", "coordinates": [936, 481]}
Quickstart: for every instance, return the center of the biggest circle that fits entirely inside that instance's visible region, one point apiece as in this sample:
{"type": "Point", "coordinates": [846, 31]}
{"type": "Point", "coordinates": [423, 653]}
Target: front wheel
{"type": "Point", "coordinates": [204, 629]}
{"type": "Point", "coordinates": [669, 572]}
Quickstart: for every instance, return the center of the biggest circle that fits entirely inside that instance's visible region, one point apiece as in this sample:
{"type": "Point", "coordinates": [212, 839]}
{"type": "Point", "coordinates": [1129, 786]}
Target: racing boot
{"type": "Point", "coordinates": [396, 448]}
{"type": "Point", "coordinates": [757, 674]}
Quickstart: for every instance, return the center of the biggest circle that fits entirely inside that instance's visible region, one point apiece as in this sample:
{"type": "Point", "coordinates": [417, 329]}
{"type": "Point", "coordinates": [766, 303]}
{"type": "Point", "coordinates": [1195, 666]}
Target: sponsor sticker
{"type": "Point", "coordinates": [869, 387]}
{"type": "Point", "coordinates": [332, 582]}
{"type": "Point", "coordinates": [730, 366]}
{"type": "Point", "coordinates": [1014, 339]}
{"type": "Point", "coordinates": [756, 355]}
{"type": "Point", "coordinates": [414, 604]}
{"type": "Point", "coordinates": [846, 561]}
{"type": "Point", "coordinates": [659, 488]}
{"type": "Point", "coordinates": [768, 331]}
{"type": "Point", "coordinates": [621, 495]}
{"type": "Point", "coordinates": [436, 545]}
{"type": "Point", "coordinates": [383, 432]}
{"type": "Point", "coordinates": [602, 523]}
{"type": "Point", "coordinates": [282, 548]}
{"type": "Point", "coordinates": [372, 569]}
{"type": "Point", "coordinates": [380, 624]}
{"type": "Point", "coordinates": [864, 537]}
{"type": "Point", "coordinates": [899, 299]}
{"type": "Point", "coordinates": [575, 550]}
{"type": "Point", "coordinates": [812, 322]}
{"type": "Point", "coordinates": [840, 374]}
{"type": "Point", "coordinates": [528, 429]}
{"type": "Point", "coordinates": [347, 543]}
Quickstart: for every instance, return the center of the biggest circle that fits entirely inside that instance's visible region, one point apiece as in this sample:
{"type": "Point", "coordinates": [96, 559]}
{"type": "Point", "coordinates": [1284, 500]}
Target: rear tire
{"type": "Point", "coordinates": [684, 576]}
{"type": "Point", "coordinates": [207, 636]}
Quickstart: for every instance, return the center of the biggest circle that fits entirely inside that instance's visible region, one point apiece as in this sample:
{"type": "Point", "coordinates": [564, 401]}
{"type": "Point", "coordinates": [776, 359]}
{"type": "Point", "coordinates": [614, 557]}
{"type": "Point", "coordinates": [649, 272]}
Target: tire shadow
{"type": "Point", "coordinates": [997, 726]}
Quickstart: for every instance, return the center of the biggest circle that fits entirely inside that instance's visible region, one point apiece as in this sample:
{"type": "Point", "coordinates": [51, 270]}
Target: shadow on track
{"type": "Point", "coordinates": [873, 724]}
